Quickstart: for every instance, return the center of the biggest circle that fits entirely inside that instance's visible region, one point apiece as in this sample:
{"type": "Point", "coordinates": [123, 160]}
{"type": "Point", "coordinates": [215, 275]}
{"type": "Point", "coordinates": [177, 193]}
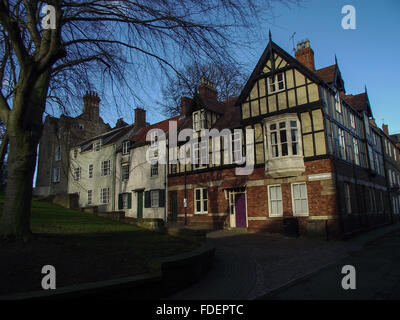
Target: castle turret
{"type": "Point", "coordinates": [91, 102]}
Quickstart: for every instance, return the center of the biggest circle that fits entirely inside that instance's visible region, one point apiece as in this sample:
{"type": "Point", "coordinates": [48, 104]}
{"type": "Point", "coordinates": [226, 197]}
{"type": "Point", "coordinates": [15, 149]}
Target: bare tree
{"type": "Point", "coordinates": [113, 43]}
{"type": "Point", "coordinates": [228, 79]}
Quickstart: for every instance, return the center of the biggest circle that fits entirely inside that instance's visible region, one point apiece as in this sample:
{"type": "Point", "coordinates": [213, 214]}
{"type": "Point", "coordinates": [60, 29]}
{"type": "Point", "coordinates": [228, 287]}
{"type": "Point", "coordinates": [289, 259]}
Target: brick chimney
{"type": "Point", "coordinates": [385, 129]}
{"type": "Point", "coordinates": [207, 89]}
{"type": "Point", "coordinates": [305, 54]}
{"type": "Point", "coordinates": [91, 102]}
{"type": "Point", "coordinates": [186, 106]}
{"type": "Point", "coordinates": [140, 118]}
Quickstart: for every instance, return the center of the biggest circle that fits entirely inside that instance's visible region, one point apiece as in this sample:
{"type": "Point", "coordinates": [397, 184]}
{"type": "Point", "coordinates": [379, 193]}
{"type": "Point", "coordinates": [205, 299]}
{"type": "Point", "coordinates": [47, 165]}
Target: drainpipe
{"type": "Point", "coordinates": [114, 177]}
{"type": "Point", "coordinates": [185, 199]}
{"type": "Point", "coordinates": [166, 185]}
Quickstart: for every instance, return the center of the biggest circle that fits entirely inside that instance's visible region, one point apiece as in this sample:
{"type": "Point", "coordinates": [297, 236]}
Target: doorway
{"type": "Point", "coordinates": [237, 208]}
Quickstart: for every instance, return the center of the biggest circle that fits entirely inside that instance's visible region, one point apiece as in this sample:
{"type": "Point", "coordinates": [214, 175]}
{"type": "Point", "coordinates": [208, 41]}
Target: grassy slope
{"type": "Point", "coordinates": [82, 247]}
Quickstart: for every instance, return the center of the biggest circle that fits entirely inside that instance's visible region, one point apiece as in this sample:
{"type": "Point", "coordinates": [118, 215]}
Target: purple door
{"type": "Point", "coordinates": [240, 208]}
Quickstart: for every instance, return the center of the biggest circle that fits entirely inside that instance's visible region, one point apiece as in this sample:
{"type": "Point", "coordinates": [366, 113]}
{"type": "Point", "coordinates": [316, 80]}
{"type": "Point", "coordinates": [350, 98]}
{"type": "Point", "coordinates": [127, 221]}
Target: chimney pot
{"type": "Point", "coordinates": [385, 128]}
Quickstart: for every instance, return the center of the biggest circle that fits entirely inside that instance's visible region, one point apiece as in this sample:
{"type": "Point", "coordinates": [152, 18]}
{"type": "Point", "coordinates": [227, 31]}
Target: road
{"type": "Point", "coordinates": [377, 268]}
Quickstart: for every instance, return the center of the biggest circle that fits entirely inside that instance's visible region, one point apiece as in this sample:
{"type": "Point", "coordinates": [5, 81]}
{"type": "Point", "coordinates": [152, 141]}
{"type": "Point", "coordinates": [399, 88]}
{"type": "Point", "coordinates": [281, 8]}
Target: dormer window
{"type": "Point", "coordinates": [97, 146]}
{"type": "Point", "coordinates": [154, 138]}
{"type": "Point", "coordinates": [276, 83]}
{"type": "Point", "coordinates": [125, 147]}
{"type": "Point", "coordinates": [199, 120]}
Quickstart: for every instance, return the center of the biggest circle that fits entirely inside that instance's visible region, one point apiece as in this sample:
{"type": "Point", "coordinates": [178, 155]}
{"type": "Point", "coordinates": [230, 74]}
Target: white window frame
{"type": "Point", "coordinates": [89, 197]}
{"type": "Point", "coordinates": [279, 214]}
{"type": "Point", "coordinates": [77, 174]}
{"type": "Point", "coordinates": [338, 104]}
{"type": "Point", "coordinates": [352, 120]}
{"type": "Point", "coordinates": [199, 119]}
{"type": "Point", "coordinates": [125, 147]}
{"type": "Point", "coordinates": [154, 169]}
{"type": "Point", "coordinates": [302, 214]}
{"type": "Point", "coordinates": [202, 200]}
{"type": "Point", "coordinates": [154, 198]}
{"type": "Point", "coordinates": [103, 167]}
{"type": "Point", "coordinates": [356, 151]}
{"type": "Point", "coordinates": [288, 128]}
{"type": "Point", "coordinates": [125, 198]}
{"type": "Point", "coordinates": [341, 142]}
{"type": "Point", "coordinates": [105, 195]}
{"type": "Point", "coordinates": [97, 146]}
{"type": "Point", "coordinates": [56, 176]}
{"type": "Point", "coordinates": [273, 84]}
{"type": "Point", "coordinates": [237, 143]}
{"type": "Point", "coordinates": [58, 153]}
{"type": "Point", "coordinates": [75, 153]}
{"type": "Point", "coordinates": [90, 171]}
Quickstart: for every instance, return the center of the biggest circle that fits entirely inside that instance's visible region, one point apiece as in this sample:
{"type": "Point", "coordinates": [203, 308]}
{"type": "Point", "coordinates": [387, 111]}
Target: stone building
{"type": "Point", "coordinates": [59, 136]}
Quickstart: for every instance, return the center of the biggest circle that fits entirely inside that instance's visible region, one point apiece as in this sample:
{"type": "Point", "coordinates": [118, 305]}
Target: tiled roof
{"type": "Point", "coordinates": [358, 101]}
{"type": "Point", "coordinates": [327, 74]}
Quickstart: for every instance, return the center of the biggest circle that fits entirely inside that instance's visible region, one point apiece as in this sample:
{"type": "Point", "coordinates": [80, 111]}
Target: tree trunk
{"type": "Point", "coordinates": [15, 220]}
{"type": "Point", "coordinates": [3, 151]}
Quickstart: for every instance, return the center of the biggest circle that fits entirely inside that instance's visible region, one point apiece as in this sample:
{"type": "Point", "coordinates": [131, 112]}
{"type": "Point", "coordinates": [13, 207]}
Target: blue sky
{"type": "Point", "coordinates": [366, 55]}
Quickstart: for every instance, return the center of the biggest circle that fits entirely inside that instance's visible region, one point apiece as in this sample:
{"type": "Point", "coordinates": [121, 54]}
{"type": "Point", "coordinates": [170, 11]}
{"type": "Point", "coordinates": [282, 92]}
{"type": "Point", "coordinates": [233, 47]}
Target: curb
{"type": "Point", "coordinates": [360, 246]}
{"type": "Point", "coordinates": [167, 275]}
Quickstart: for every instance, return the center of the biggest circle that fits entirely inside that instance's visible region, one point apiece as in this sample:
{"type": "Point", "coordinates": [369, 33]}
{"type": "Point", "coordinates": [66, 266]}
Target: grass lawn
{"type": "Point", "coordinates": [82, 248]}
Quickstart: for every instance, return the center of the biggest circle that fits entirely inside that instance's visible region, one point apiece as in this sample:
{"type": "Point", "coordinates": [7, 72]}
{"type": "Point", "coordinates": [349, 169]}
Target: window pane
{"type": "Point", "coordinates": [293, 124]}
{"type": "Point", "coordinates": [198, 206]}
{"type": "Point", "coordinates": [274, 207]}
{"type": "Point", "coordinates": [198, 194]}
{"type": "Point", "coordinates": [282, 125]}
{"type": "Point", "coordinates": [204, 193]}
{"type": "Point", "coordinates": [205, 209]}
{"type": "Point", "coordinates": [273, 126]}
{"type": "Point", "coordinates": [303, 193]}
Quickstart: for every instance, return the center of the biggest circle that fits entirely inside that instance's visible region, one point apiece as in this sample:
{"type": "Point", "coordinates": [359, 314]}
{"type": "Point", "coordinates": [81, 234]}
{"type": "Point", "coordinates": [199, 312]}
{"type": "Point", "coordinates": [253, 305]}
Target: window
{"type": "Point", "coordinates": [342, 144]}
{"type": "Point", "coordinates": [154, 138]}
{"type": "Point", "coordinates": [58, 153]}
{"type": "Point", "coordinates": [276, 83]}
{"type": "Point", "coordinates": [125, 147]}
{"type": "Point", "coordinates": [77, 174]}
{"type": "Point", "coordinates": [89, 197]}
{"type": "Point", "coordinates": [200, 154]}
{"type": "Point", "coordinates": [154, 170]}
{"type": "Point", "coordinates": [299, 197]}
{"type": "Point", "coordinates": [352, 121]}
{"type": "Point", "coordinates": [105, 168]}
{"type": "Point", "coordinates": [284, 138]}
{"type": "Point", "coordinates": [338, 105]}
{"type": "Point", "coordinates": [174, 168]}
{"type": "Point", "coordinates": [347, 198]}
{"type": "Point", "coordinates": [275, 200]}
{"type": "Point", "coordinates": [97, 146]}
{"type": "Point", "coordinates": [104, 195]}
{"type": "Point", "coordinates": [356, 151]}
{"type": "Point", "coordinates": [59, 133]}
{"type": "Point", "coordinates": [154, 198]}
{"type": "Point", "coordinates": [75, 153]}
{"type": "Point", "coordinates": [125, 172]}
{"type": "Point", "coordinates": [125, 201]}
{"type": "Point", "coordinates": [237, 147]}
{"type": "Point", "coordinates": [199, 120]}
{"type": "Point", "coordinates": [90, 171]}
{"type": "Point", "coordinates": [56, 175]}
{"type": "Point", "coordinates": [201, 200]}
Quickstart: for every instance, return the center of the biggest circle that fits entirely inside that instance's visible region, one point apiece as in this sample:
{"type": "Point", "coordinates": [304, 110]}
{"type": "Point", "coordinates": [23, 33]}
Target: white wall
{"type": "Point", "coordinates": [97, 182]}
{"type": "Point", "coordinates": [139, 178]}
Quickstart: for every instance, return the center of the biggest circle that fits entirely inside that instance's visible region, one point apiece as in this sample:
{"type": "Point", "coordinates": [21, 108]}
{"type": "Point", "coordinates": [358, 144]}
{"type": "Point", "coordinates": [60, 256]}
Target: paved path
{"type": "Point", "coordinates": [248, 266]}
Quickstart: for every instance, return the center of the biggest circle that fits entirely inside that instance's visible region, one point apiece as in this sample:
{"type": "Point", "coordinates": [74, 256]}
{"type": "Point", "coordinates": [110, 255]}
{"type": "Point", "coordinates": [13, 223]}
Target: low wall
{"type": "Point", "coordinates": [166, 276]}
